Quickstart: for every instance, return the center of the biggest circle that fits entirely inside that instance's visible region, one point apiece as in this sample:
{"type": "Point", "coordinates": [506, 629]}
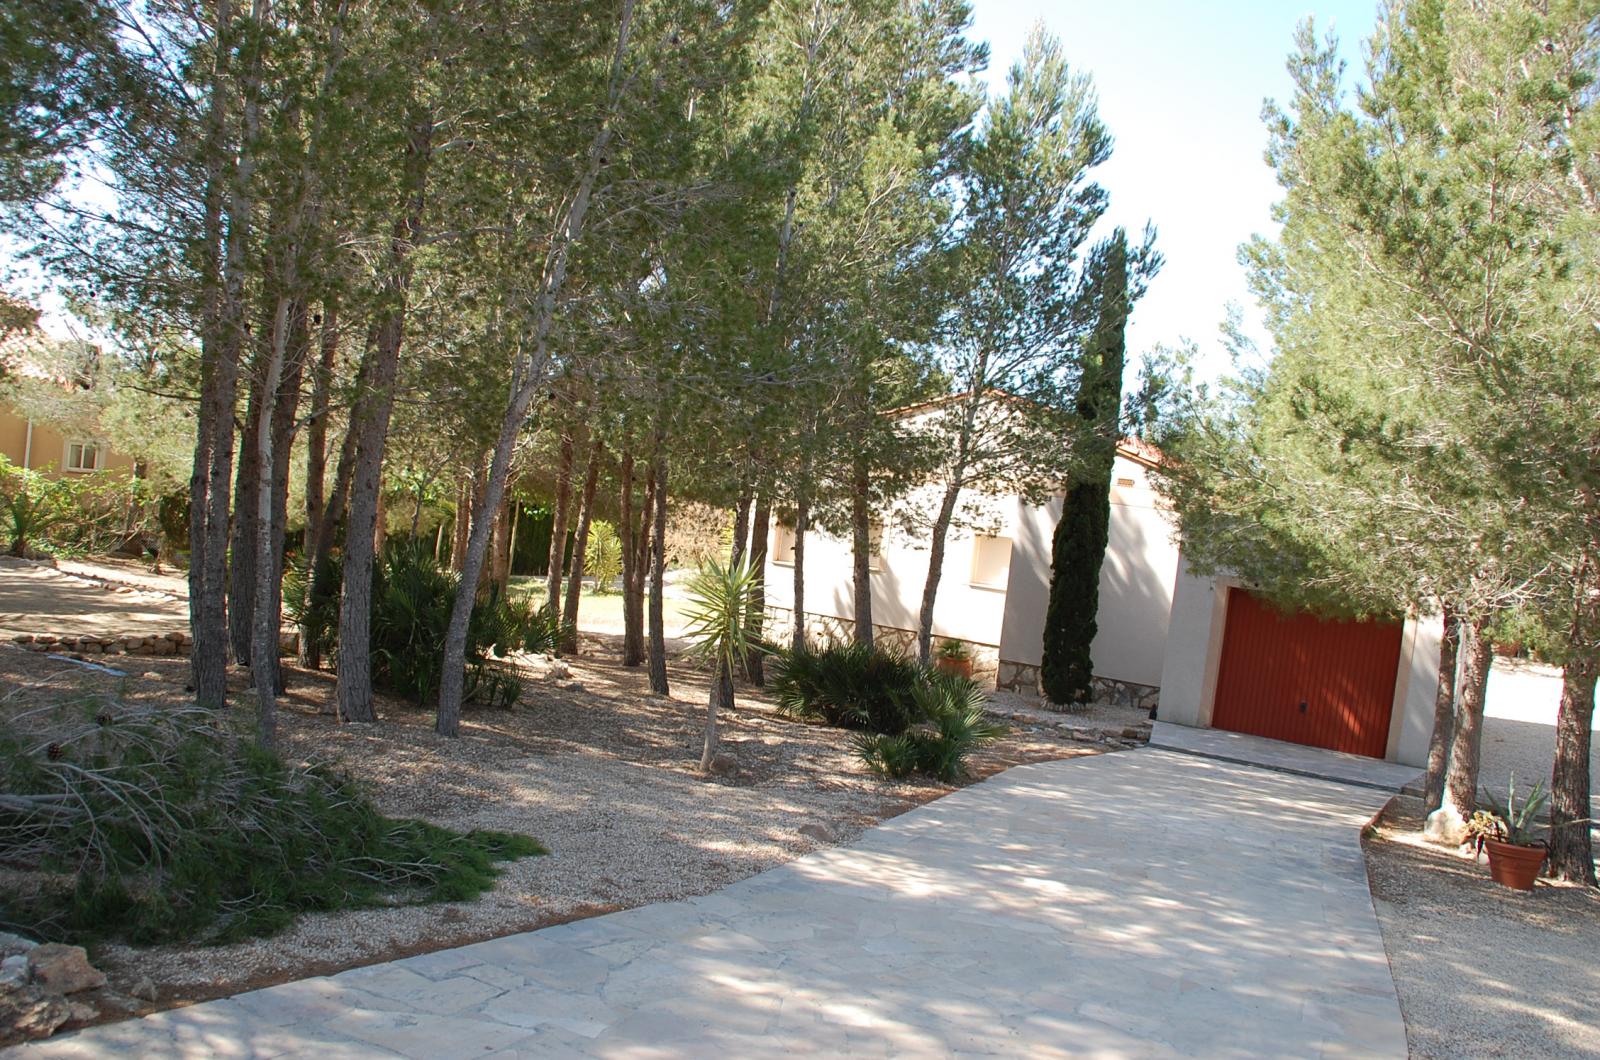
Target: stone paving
{"type": "Point", "coordinates": [1144, 903]}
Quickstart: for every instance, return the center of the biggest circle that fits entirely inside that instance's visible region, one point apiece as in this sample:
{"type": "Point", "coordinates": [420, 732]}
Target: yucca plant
{"type": "Point", "coordinates": [602, 560]}
{"type": "Point", "coordinates": [720, 630]}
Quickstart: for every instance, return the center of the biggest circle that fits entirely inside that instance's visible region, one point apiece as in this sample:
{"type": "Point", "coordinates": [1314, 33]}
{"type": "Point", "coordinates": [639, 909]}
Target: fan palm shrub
{"type": "Point", "coordinates": [954, 726]}
{"type": "Point", "coordinates": [851, 686]}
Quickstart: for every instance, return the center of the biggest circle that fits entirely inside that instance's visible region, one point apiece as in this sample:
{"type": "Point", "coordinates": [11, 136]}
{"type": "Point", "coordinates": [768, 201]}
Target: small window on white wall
{"type": "Point", "coordinates": [991, 562]}
{"type": "Point", "coordinates": [783, 544]}
{"type": "Point", "coordinates": [82, 456]}
{"type": "Point", "coordinates": [874, 545]}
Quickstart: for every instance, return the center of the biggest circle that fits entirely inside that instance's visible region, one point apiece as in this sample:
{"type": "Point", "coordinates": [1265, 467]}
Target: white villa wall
{"type": "Point", "coordinates": [1136, 582]}
{"type": "Point", "coordinates": [1194, 653]}
{"type": "Point", "coordinates": [962, 611]}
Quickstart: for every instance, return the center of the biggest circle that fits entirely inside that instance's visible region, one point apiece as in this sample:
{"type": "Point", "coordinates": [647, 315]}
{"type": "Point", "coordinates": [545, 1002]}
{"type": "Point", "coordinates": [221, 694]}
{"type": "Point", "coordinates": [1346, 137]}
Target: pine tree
{"type": "Point", "coordinates": [1079, 547]}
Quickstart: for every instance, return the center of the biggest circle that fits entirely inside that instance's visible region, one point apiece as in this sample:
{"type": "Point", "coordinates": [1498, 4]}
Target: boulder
{"type": "Point", "coordinates": [30, 1012]}
{"type": "Point", "coordinates": [14, 944]}
{"type": "Point", "coordinates": [13, 972]}
{"type": "Point", "coordinates": [144, 989]}
{"type": "Point", "coordinates": [820, 832]}
{"type": "Point", "coordinates": [64, 969]}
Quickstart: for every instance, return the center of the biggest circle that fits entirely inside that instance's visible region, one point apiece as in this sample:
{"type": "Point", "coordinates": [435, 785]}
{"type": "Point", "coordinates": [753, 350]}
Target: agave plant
{"type": "Point", "coordinates": [721, 633]}
{"type": "Point", "coordinates": [1509, 822]}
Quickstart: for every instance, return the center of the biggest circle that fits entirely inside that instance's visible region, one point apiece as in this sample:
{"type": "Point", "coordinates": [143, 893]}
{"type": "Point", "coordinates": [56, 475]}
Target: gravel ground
{"type": "Point", "coordinates": [597, 769]}
{"type": "Point", "coordinates": [1482, 971]}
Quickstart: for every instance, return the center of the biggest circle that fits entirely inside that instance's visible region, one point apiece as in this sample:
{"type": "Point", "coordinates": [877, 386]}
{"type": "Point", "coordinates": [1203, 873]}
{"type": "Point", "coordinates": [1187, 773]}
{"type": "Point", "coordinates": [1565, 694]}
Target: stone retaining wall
{"type": "Point", "coordinates": [175, 643]}
{"type": "Point", "coordinates": [1024, 677]}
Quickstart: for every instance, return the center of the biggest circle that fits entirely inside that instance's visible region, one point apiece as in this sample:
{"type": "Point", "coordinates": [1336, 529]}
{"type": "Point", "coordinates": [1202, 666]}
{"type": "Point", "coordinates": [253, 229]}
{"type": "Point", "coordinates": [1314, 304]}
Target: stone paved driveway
{"type": "Point", "coordinates": [1146, 903]}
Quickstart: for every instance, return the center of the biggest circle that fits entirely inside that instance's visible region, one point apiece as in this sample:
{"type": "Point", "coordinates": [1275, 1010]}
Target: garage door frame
{"type": "Point", "coordinates": [1219, 624]}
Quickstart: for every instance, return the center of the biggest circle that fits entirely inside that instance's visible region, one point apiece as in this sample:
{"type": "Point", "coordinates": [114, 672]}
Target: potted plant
{"type": "Point", "coordinates": [954, 657]}
{"type": "Point", "coordinates": [1506, 831]}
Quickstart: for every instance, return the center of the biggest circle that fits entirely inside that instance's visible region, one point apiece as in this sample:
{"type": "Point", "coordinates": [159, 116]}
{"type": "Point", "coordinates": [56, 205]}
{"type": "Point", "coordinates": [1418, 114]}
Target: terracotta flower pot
{"type": "Point", "coordinates": [1513, 866]}
{"type": "Point", "coordinates": [949, 665]}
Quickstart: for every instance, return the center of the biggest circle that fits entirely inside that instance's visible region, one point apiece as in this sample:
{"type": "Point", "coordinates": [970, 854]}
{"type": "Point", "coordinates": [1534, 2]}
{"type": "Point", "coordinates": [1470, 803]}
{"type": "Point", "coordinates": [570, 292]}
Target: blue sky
{"type": "Point", "coordinates": [1181, 86]}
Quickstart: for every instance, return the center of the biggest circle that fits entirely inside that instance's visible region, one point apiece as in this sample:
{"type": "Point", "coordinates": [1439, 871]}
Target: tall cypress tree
{"type": "Point", "coordinates": [1067, 674]}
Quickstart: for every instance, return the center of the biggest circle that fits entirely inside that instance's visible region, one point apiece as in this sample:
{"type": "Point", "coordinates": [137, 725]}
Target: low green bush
{"type": "Point", "coordinates": [167, 825]}
{"type": "Point", "coordinates": [954, 726]}
{"type": "Point", "coordinates": [412, 596]}
{"type": "Point", "coordinates": [909, 718]}
{"type": "Point", "coordinates": [851, 686]}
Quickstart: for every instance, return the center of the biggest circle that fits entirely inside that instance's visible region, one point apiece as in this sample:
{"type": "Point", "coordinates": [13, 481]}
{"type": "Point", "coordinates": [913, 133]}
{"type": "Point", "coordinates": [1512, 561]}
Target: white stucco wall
{"type": "Point", "coordinates": [1136, 582]}
{"type": "Point", "coordinates": [1186, 668]}
{"type": "Point", "coordinates": [962, 610]}
{"type": "Point", "coordinates": [1194, 651]}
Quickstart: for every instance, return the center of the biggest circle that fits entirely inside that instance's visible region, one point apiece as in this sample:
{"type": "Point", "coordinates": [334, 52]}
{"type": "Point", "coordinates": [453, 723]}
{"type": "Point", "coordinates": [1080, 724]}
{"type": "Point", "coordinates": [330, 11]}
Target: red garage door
{"type": "Point", "coordinates": [1306, 680]}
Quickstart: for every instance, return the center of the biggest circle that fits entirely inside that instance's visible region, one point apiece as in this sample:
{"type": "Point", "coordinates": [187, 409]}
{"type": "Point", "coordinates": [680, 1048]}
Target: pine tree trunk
{"type": "Point", "coordinates": [930, 588]}
{"type": "Point", "coordinates": [463, 524]}
{"type": "Point", "coordinates": [741, 529]}
{"type": "Point", "coordinates": [380, 519]}
{"type": "Point", "coordinates": [285, 410]}
{"type": "Point", "coordinates": [658, 577]}
{"type": "Point", "coordinates": [529, 378]}
{"type": "Point", "coordinates": [802, 516]}
{"type": "Point", "coordinates": [1444, 717]}
{"type": "Point", "coordinates": [317, 424]}
{"type": "Point", "coordinates": [499, 550]}
{"type": "Point", "coordinates": [760, 530]}
{"type": "Point", "coordinates": [1571, 841]}
{"type": "Point", "coordinates": [371, 418]}
{"type": "Point", "coordinates": [242, 536]}
{"type": "Point", "coordinates": [861, 549]}
{"type": "Point", "coordinates": [558, 530]}
{"type": "Point", "coordinates": [580, 548]}
{"type": "Point", "coordinates": [632, 600]}
{"type": "Point", "coordinates": [223, 319]}
{"type": "Point", "coordinates": [1460, 798]}
{"type": "Point", "coordinates": [511, 539]}
{"type": "Point", "coordinates": [320, 583]}
{"type": "Point", "coordinates": [270, 424]}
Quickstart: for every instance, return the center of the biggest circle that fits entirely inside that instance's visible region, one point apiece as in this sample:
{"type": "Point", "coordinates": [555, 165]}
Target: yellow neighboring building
{"type": "Point", "coordinates": [28, 442]}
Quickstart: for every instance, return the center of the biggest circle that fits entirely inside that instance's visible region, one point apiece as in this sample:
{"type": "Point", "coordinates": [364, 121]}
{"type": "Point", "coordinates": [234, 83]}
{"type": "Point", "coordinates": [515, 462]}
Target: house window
{"type": "Point", "coordinates": [874, 545]}
{"type": "Point", "coordinates": [783, 545]}
{"type": "Point", "coordinates": [83, 456]}
{"type": "Point", "coordinates": [991, 562]}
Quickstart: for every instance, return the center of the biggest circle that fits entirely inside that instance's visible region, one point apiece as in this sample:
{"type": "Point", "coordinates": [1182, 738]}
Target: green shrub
{"type": "Point", "coordinates": [851, 686]}
{"type": "Point", "coordinates": [411, 601]}
{"type": "Point", "coordinates": [165, 825]}
{"type": "Point", "coordinates": [954, 726]}
{"type": "Point", "coordinates": [32, 506]}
